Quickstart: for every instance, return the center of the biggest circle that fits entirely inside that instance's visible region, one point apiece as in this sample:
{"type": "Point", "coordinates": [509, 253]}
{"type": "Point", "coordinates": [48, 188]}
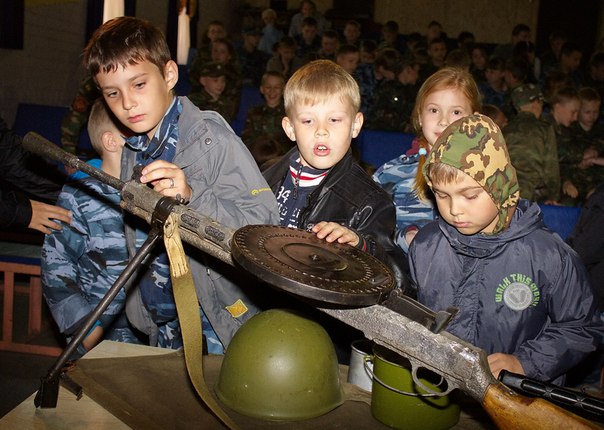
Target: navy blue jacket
{"type": "Point", "coordinates": [522, 292]}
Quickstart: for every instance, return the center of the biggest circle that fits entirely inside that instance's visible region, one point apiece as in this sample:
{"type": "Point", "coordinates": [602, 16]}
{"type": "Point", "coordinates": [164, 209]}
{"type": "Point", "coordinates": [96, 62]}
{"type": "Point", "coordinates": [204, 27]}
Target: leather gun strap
{"type": "Point", "coordinates": [187, 307]}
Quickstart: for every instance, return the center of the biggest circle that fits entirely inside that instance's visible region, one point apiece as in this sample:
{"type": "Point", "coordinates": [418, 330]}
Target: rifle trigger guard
{"type": "Point", "coordinates": [429, 391]}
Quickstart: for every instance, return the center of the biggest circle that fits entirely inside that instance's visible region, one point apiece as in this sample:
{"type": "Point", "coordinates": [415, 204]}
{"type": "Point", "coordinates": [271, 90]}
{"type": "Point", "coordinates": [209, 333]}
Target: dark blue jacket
{"type": "Point", "coordinates": [522, 292]}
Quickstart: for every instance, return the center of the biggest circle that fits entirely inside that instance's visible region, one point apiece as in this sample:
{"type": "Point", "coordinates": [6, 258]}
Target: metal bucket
{"type": "Point", "coordinates": [398, 402]}
{"type": "Point", "coordinates": [359, 373]}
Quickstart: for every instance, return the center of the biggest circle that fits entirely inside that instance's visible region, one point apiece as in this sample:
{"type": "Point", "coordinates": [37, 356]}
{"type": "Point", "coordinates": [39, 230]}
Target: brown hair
{"type": "Point", "coordinates": [125, 41]}
{"type": "Point", "coordinates": [319, 81]}
{"type": "Point", "coordinates": [445, 78]}
{"type": "Point", "coordinates": [589, 94]}
{"type": "Point", "coordinates": [564, 95]}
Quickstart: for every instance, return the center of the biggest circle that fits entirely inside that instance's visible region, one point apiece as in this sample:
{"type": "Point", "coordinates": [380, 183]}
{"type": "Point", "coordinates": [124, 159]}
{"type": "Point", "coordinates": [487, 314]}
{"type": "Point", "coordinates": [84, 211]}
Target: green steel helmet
{"type": "Point", "coordinates": [280, 366]}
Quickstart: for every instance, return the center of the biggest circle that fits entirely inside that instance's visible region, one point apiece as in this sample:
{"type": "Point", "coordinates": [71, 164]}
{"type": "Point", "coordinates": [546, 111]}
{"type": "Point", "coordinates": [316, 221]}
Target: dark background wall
{"type": "Point", "coordinates": [47, 68]}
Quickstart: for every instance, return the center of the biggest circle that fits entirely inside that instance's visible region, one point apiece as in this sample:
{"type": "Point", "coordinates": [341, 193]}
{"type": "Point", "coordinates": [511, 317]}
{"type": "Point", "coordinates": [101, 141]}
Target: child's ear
{"type": "Point", "coordinates": [110, 142]}
{"type": "Point", "coordinates": [357, 124]}
{"type": "Point", "coordinates": [288, 128]}
{"type": "Point", "coordinates": [171, 74]}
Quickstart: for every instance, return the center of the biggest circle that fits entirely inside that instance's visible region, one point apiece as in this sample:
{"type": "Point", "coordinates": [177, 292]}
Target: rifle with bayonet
{"type": "Point", "coordinates": [296, 262]}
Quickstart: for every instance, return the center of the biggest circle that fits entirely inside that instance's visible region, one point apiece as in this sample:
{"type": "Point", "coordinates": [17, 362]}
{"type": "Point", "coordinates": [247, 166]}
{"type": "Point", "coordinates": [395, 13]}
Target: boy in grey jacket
{"type": "Point", "coordinates": [184, 153]}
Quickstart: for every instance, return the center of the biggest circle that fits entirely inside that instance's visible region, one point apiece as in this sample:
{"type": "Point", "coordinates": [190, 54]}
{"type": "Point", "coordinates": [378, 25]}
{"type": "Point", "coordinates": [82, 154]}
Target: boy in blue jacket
{"type": "Point", "coordinates": [522, 293]}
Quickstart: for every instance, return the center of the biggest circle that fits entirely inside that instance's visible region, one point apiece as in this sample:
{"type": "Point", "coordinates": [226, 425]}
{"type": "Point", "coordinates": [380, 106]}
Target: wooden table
{"type": "Point", "coordinates": [71, 413]}
{"type": "Point", "coordinates": [87, 414]}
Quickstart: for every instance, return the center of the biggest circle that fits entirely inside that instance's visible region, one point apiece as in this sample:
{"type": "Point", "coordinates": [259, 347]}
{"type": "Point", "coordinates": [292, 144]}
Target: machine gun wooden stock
{"type": "Point", "coordinates": [462, 365]}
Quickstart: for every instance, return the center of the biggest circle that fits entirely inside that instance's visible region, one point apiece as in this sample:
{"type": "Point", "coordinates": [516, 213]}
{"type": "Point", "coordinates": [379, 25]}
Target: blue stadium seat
{"type": "Point", "coordinates": [560, 219]}
{"type": "Point", "coordinates": [376, 147]}
{"type": "Point", "coordinates": [44, 120]}
{"type": "Point", "coordinates": [250, 96]}
{"type": "Point", "coordinates": [183, 85]}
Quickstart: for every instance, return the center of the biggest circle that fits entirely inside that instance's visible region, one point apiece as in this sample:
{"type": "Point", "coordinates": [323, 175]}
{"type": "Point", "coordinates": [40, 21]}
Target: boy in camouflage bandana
{"type": "Point", "coordinates": [523, 295]}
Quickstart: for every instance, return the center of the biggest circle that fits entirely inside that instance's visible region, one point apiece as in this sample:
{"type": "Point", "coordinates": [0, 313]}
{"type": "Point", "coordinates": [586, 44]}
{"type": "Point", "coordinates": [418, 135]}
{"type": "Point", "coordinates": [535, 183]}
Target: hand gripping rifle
{"type": "Point", "coordinates": [341, 281]}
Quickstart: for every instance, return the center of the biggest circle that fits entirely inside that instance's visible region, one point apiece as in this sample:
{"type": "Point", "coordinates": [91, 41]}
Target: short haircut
{"type": "Point", "coordinates": [391, 27]}
{"type": "Point", "coordinates": [518, 67]}
{"type": "Point", "coordinates": [369, 46]}
{"type": "Point", "coordinates": [568, 48]}
{"type": "Point", "coordinates": [492, 111]}
{"type": "Point", "coordinates": [465, 36]}
{"type": "Point", "coordinates": [387, 58]}
{"type": "Point", "coordinates": [458, 58]}
{"type": "Point", "coordinates": [309, 21]}
{"type": "Point", "coordinates": [319, 81]}
{"type": "Point", "coordinates": [331, 34]}
{"type": "Point", "coordinates": [354, 23]}
{"type": "Point", "coordinates": [437, 40]}
{"type": "Point", "coordinates": [564, 95]}
{"type": "Point", "coordinates": [99, 121]}
{"type": "Point", "coordinates": [496, 63]}
{"type": "Point", "coordinates": [272, 74]}
{"type": "Point", "coordinates": [520, 28]}
{"type": "Point", "coordinates": [125, 41]}
{"type": "Point", "coordinates": [347, 49]}
{"type": "Point", "coordinates": [589, 94]}
{"type": "Point", "coordinates": [266, 13]}
{"type": "Point", "coordinates": [288, 42]}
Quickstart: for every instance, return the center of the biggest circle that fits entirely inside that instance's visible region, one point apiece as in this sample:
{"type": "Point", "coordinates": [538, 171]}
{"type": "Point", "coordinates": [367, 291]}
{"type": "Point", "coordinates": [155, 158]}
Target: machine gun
{"type": "Point", "coordinates": [341, 281]}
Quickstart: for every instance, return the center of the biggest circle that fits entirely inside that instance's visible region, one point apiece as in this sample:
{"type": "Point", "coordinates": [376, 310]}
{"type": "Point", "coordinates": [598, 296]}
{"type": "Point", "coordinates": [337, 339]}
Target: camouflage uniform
{"type": "Point", "coordinates": [392, 106]}
{"type": "Point", "coordinates": [593, 138]}
{"type": "Point", "coordinates": [365, 77]}
{"type": "Point", "coordinates": [252, 65]}
{"type": "Point", "coordinates": [570, 154]}
{"type": "Point", "coordinates": [397, 178]}
{"type": "Point", "coordinates": [266, 121]}
{"type": "Point", "coordinates": [232, 73]}
{"type": "Point", "coordinates": [77, 117]}
{"type": "Point", "coordinates": [223, 105]}
{"type": "Point", "coordinates": [82, 261]}
{"type": "Point", "coordinates": [532, 147]}
{"type": "Point", "coordinates": [226, 105]}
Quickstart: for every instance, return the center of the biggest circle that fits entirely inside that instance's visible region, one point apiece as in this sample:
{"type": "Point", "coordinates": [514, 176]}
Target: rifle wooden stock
{"type": "Point", "coordinates": [511, 411]}
{"type": "Point", "coordinates": [462, 365]}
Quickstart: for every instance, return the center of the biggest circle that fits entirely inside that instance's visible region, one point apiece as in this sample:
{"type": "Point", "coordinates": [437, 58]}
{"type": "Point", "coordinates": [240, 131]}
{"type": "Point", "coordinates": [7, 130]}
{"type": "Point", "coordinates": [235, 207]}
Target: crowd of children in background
{"type": "Point", "coordinates": [390, 67]}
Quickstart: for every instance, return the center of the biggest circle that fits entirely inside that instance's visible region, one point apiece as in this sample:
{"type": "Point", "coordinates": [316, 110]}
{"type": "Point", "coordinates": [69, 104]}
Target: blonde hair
{"type": "Point", "coordinates": [442, 173]}
{"type": "Point", "coordinates": [446, 78]}
{"type": "Point", "coordinates": [319, 81]}
{"type": "Point", "coordinates": [100, 121]}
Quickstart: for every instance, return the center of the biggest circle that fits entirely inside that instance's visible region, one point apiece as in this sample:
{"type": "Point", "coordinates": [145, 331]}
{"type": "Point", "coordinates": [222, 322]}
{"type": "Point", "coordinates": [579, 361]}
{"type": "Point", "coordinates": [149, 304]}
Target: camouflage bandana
{"type": "Point", "coordinates": [475, 146]}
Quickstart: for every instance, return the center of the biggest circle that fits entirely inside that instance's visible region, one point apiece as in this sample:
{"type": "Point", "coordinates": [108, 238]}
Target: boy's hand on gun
{"type": "Point", "coordinates": [332, 231]}
{"type": "Point", "coordinates": [499, 361]}
{"type": "Point", "coordinates": [167, 179]}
